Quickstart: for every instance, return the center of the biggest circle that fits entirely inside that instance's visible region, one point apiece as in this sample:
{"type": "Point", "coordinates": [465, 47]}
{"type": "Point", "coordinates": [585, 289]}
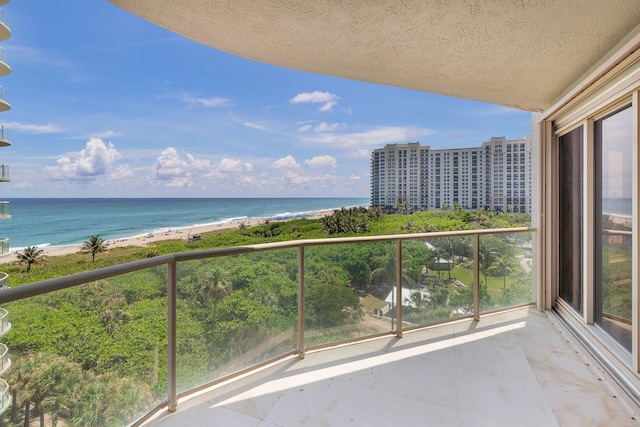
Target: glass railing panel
{"type": "Point", "coordinates": [348, 291]}
{"type": "Point", "coordinates": [5, 396]}
{"type": "Point", "coordinates": [506, 270]}
{"type": "Point", "coordinates": [5, 361]}
{"type": "Point", "coordinates": [438, 279]}
{"type": "Point", "coordinates": [234, 312]}
{"type": "Point", "coordinates": [4, 321]}
{"type": "Point", "coordinates": [91, 355]}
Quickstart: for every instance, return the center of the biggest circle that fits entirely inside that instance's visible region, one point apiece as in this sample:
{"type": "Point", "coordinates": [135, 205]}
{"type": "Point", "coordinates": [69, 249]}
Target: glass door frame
{"type": "Point", "coordinates": [550, 129]}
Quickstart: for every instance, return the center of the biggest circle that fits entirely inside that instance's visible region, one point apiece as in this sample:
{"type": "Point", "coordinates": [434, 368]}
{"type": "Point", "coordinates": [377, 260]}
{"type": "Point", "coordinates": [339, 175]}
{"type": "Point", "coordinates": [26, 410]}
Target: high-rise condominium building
{"type": "Point", "coordinates": [496, 175]}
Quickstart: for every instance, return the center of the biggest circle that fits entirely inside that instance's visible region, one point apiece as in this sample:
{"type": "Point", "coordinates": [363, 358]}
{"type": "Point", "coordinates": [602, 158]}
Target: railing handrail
{"type": "Point", "coordinates": [50, 285]}
{"type": "Point", "coordinates": [617, 232]}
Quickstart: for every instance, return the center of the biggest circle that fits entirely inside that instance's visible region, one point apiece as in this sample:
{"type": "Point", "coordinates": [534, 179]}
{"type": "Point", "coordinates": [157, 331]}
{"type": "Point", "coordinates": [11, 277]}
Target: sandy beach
{"type": "Point", "coordinates": [168, 235]}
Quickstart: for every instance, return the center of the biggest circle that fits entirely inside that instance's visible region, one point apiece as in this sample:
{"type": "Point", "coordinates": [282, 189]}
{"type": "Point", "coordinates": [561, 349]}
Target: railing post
{"type": "Point", "coordinates": [171, 336]}
{"type": "Point", "coordinates": [399, 288]}
{"type": "Point", "coordinates": [301, 302]}
{"type": "Point", "coordinates": [476, 277]}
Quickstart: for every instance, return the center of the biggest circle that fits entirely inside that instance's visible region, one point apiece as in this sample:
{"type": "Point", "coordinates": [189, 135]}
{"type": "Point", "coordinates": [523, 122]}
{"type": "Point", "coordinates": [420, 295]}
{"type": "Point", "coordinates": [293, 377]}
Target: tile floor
{"type": "Point", "coordinates": [517, 368]}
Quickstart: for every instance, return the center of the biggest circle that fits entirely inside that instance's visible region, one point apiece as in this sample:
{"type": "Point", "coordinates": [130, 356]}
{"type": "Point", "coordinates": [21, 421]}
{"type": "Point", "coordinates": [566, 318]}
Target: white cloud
{"type": "Point", "coordinates": [255, 126]}
{"type": "Point", "coordinates": [169, 165]}
{"type": "Point", "coordinates": [373, 137]}
{"type": "Point", "coordinates": [328, 106]}
{"type": "Point", "coordinates": [23, 184]}
{"type": "Point", "coordinates": [213, 102]}
{"type": "Point", "coordinates": [107, 134]}
{"type": "Point", "coordinates": [325, 127]}
{"type": "Point", "coordinates": [195, 164]}
{"type": "Point", "coordinates": [233, 166]}
{"type": "Point", "coordinates": [286, 163]}
{"type": "Point", "coordinates": [122, 172]}
{"type": "Point", "coordinates": [247, 180]}
{"type": "Point", "coordinates": [92, 161]}
{"type": "Point", "coordinates": [360, 154]}
{"type": "Point", "coordinates": [328, 99]}
{"type": "Point", "coordinates": [180, 182]}
{"type": "Point", "coordinates": [354, 177]}
{"type": "Point", "coordinates": [304, 128]}
{"type": "Point", "coordinates": [32, 128]}
{"type": "Point", "coordinates": [321, 162]}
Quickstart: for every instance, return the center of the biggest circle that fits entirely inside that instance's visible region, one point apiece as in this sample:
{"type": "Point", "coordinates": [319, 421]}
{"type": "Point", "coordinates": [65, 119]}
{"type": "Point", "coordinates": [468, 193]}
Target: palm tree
{"type": "Point", "coordinates": [500, 267]}
{"type": "Point", "coordinates": [386, 274]}
{"type": "Point", "coordinates": [215, 285]}
{"type": "Point", "coordinates": [60, 378]}
{"type": "Point", "coordinates": [488, 254]}
{"type": "Point", "coordinates": [29, 255]}
{"type": "Point", "coordinates": [94, 245]}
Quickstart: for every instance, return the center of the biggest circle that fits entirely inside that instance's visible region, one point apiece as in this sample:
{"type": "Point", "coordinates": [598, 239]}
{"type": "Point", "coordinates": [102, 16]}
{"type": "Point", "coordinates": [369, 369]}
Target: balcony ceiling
{"type": "Point", "coordinates": [523, 54]}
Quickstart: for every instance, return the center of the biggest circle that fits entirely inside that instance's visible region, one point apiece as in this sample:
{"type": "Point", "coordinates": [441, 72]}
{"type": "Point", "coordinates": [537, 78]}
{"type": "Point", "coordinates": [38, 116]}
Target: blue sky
{"type": "Point", "coordinates": [105, 104]}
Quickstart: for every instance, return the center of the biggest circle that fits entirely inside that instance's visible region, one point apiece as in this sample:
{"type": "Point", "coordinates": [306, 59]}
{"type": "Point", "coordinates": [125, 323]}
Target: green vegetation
{"type": "Point", "coordinates": [94, 245]}
{"type": "Point", "coordinates": [30, 255]}
{"type": "Point", "coordinates": [110, 337]}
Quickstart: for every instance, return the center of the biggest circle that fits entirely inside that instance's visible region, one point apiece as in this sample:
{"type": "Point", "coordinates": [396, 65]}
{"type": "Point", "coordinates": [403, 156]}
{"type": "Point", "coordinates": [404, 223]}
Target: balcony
{"type": "Point", "coordinates": [4, 105]}
{"type": "Point", "coordinates": [5, 362]}
{"type": "Point", "coordinates": [512, 368]}
{"type": "Point", "coordinates": [5, 396]}
{"type": "Point", "coordinates": [5, 32]}
{"type": "Point", "coordinates": [4, 210]}
{"type": "Point", "coordinates": [4, 250]}
{"type": "Point", "coordinates": [282, 338]}
{"type": "Point", "coordinates": [5, 325]}
{"type": "Point", "coordinates": [3, 141]}
{"type": "Point", "coordinates": [4, 173]}
{"type": "Point", "coordinates": [5, 69]}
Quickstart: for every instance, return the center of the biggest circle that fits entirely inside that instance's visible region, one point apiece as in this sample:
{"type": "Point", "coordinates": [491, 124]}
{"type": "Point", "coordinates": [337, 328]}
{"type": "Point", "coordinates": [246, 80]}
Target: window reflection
{"type": "Point", "coordinates": [613, 267]}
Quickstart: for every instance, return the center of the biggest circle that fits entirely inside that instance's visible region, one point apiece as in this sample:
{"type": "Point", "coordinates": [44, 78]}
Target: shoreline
{"type": "Point", "coordinates": [179, 233]}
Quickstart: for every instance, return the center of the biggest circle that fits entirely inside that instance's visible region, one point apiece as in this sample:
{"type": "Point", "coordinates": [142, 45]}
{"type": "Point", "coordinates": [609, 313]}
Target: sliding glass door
{"type": "Point", "coordinates": [613, 225]}
{"type": "Point", "coordinates": [570, 188]}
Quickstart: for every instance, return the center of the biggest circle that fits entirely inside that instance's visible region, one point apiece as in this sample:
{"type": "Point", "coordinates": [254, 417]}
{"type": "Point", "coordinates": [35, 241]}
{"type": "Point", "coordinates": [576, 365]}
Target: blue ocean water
{"type": "Point", "coordinates": [621, 207]}
{"type": "Point", "coordinates": [62, 222]}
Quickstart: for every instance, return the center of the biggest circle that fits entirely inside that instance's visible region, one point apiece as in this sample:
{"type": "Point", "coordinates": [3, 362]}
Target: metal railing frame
{"type": "Point", "coordinates": [51, 285]}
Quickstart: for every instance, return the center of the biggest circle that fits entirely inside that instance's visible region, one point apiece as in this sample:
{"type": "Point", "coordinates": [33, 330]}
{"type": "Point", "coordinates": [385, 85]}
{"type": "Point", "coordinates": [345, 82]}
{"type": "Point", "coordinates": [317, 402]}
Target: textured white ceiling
{"type": "Point", "coordinates": [521, 53]}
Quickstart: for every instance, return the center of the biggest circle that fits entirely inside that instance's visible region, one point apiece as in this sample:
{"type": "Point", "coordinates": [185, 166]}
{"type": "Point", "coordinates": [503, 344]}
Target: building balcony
{"type": "Point", "coordinates": [4, 105]}
{"type": "Point", "coordinates": [4, 210]}
{"type": "Point", "coordinates": [5, 362]}
{"type": "Point", "coordinates": [5, 325]}
{"type": "Point", "coordinates": [5, 69]}
{"type": "Point", "coordinates": [4, 173]}
{"type": "Point", "coordinates": [293, 344]}
{"type": "Point", "coordinates": [3, 141]}
{"type": "Point", "coordinates": [4, 250]}
{"type": "Point", "coordinates": [5, 32]}
{"type": "Point", "coordinates": [459, 345]}
{"type": "Point", "coordinates": [5, 396]}
{"type": "Point", "coordinates": [516, 368]}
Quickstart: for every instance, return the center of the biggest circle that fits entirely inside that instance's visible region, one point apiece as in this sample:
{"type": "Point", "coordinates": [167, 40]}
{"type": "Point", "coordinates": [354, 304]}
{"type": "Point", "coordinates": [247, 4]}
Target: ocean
{"type": "Point", "coordinates": [620, 207]}
{"type": "Point", "coordinates": [64, 222]}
